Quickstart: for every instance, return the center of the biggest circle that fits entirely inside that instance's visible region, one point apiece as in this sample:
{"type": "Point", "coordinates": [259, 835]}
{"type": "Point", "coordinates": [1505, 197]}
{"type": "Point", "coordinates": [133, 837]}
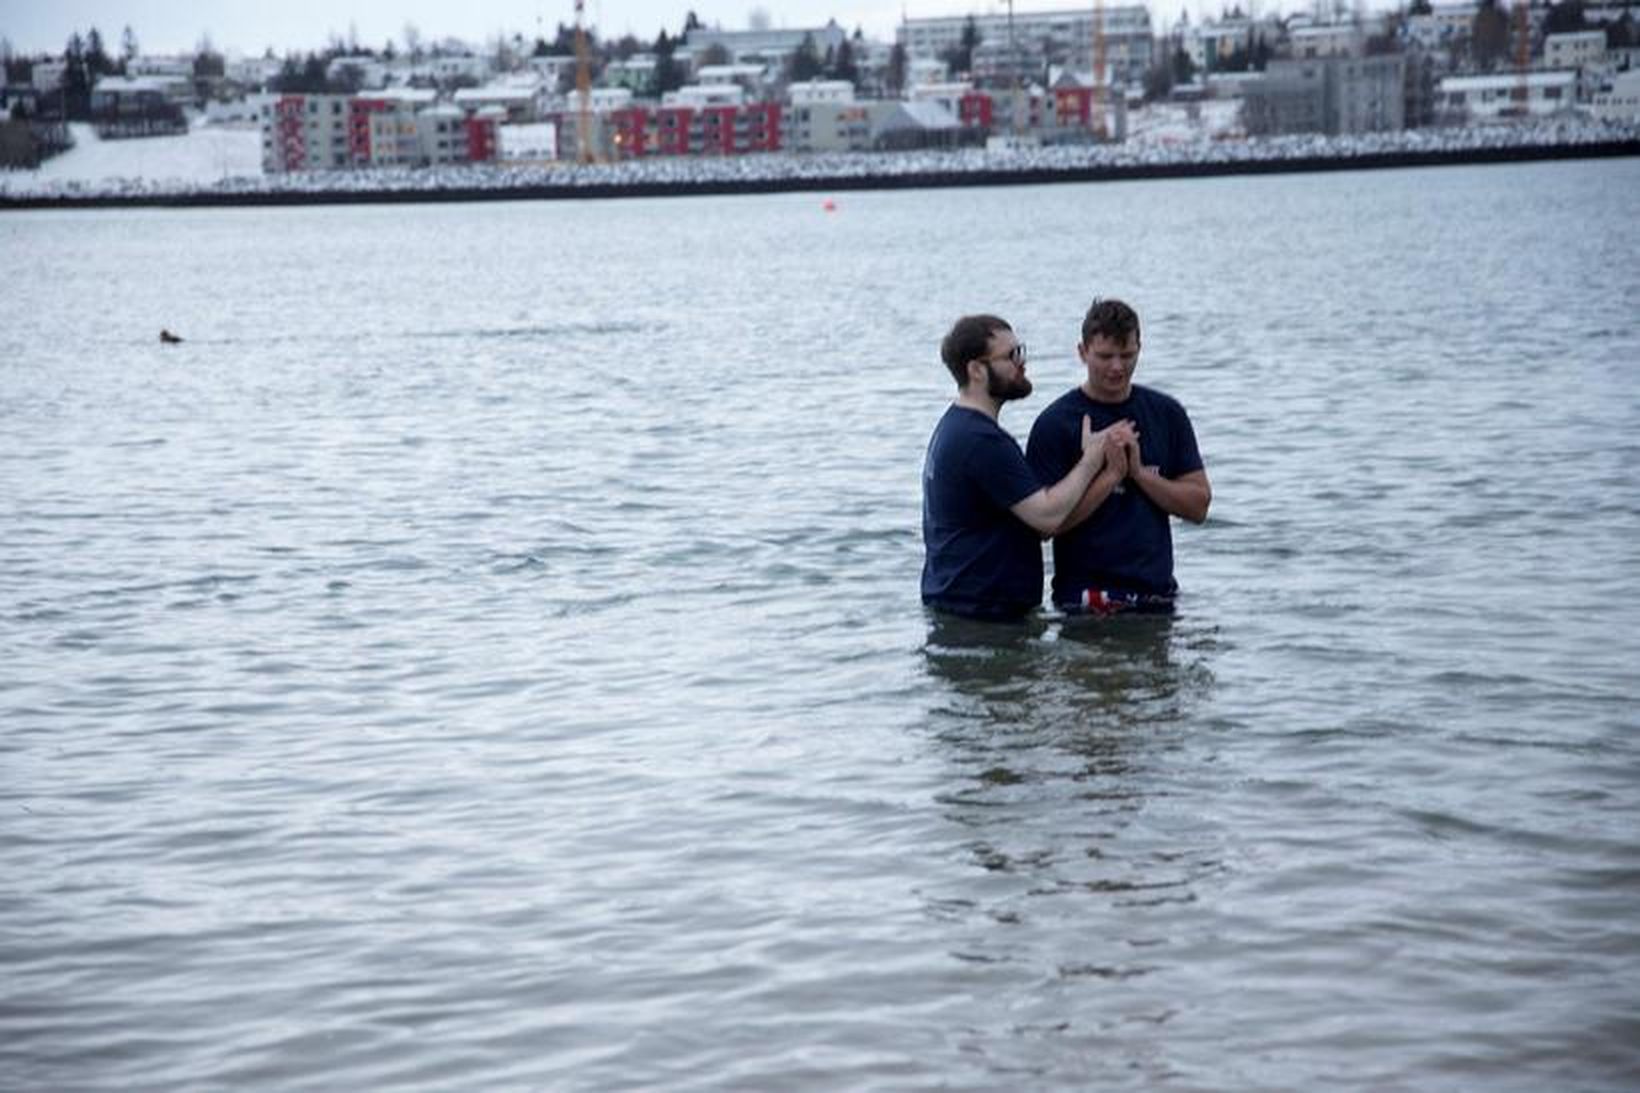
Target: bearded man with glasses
{"type": "Point", "coordinates": [984, 511]}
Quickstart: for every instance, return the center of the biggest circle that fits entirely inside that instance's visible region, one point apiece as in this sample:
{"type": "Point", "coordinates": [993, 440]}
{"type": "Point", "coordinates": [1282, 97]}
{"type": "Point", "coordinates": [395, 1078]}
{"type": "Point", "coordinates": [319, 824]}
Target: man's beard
{"type": "Point", "coordinates": [1004, 390]}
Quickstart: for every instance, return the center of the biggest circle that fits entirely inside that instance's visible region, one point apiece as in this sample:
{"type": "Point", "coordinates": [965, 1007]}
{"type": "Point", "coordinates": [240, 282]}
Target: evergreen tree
{"type": "Point", "coordinates": [843, 66]}
{"type": "Point", "coordinates": [1158, 81]}
{"type": "Point", "coordinates": [959, 59]}
{"type": "Point", "coordinates": [128, 47]}
{"type": "Point", "coordinates": [805, 61]}
{"type": "Point", "coordinates": [563, 43]}
{"type": "Point", "coordinates": [668, 73]}
{"type": "Point", "coordinates": [1565, 17]}
{"type": "Point", "coordinates": [1184, 69]}
{"type": "Point", "coordinates": [1489, 34]}
{"type": "Point", "coordinates": [97, 61]}
{"type": "Point", "coordinates": [897, 65]}
{"type": "Point", "coordinates": [76, 90]}
{"type": "Point", "coordinates": [970, 41]}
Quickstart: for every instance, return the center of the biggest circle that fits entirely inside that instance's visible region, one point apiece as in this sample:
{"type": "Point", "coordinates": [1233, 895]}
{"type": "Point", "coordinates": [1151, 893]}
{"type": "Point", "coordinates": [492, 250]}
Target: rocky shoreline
{"type": "Point", "coordinates": [854, 171]}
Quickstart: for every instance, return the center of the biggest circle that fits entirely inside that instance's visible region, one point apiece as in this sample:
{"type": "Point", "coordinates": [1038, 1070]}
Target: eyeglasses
{"type": "Point", "coordinates": [1016, 354]}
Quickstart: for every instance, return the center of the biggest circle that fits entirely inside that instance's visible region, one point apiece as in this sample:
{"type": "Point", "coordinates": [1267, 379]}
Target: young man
{"type": "Point", "coordinates": [1115, 550]}
{"type": "Point", "coordinates": [984, 511]}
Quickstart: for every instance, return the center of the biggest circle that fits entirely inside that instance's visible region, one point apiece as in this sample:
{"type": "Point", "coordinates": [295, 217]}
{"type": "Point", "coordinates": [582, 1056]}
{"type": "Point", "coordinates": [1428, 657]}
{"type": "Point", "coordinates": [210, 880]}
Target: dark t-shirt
{"type": "Point", "coordinates": [981, 560]}
{"type": "Point", "coordinates": [1127, 544]}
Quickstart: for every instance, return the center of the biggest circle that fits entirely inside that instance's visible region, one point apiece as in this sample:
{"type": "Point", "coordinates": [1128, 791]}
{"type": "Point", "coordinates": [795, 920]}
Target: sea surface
{"type": "Point", "coordinates": [486, 653]}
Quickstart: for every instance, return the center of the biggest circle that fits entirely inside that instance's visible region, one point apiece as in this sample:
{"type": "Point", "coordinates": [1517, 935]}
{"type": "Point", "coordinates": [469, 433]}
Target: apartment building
{"type": "Point", "coordinates": [1332, 95]}
{"type": "Point", "coordinates": [1033, 40]}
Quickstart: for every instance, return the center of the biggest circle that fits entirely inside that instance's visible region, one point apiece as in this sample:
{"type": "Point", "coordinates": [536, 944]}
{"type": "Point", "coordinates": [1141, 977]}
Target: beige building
{"type": "Point", "coordinates": [1484, 98]}
{"type": "Point", "coordinates": [1619, 98]}
{"type": "Point", "coordinates": [1574, 49]}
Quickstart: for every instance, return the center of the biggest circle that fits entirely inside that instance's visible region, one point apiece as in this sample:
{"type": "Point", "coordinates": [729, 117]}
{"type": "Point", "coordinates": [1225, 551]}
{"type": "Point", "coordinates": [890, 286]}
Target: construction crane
{"type": "Point", "coordinates": [1098, 97]}
{"type": "Point", "coordinates": [584, 151]}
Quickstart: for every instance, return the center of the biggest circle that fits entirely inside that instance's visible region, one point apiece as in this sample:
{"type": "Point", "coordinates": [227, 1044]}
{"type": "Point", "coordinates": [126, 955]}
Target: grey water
{"type": "Point", "coordinates": [486, 652]}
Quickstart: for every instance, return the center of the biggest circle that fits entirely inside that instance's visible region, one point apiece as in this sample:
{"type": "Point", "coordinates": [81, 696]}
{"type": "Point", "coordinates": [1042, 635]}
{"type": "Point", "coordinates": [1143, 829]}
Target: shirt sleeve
{"type": "Point", "coordinates": [1000, 471]}
{"type": "Point", "coordinates": [1185, 456]}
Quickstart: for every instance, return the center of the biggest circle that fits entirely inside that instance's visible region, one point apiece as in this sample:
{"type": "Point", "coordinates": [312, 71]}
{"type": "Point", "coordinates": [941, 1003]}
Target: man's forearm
{"type": "Point", "coordinates": [1187, 496]}
{"type": "Point", "coordinates": [1066, 494]}
{"type": "Point", "coordinates": [1047, 508]}
{"type": "Point", "coordinates": [1103, 485]}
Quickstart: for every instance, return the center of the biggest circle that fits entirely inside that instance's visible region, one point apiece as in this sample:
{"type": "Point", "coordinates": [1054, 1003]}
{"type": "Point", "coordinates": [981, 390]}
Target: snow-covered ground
{"type": "Point", "coordinates": [1179, 123]}
{"type": "Point", "coordinates": [203, 155]}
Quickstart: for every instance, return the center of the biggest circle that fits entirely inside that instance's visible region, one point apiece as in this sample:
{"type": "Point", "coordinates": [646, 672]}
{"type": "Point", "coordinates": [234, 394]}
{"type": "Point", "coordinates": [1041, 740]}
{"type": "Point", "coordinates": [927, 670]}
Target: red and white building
{"type": "Point", "coordinates": [389, 128]}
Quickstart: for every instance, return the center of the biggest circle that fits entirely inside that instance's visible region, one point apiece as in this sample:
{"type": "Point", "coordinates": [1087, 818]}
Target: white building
{"type": "Point", "coordinates": [1490, 97]}
{"type": "Point", "coordinates": [456, 67]}
{"type": "Point", "coordinates": [751, 78]}
{"type": "Point", "coordinates": [443, 134]}
{"type": "Point", "coordinates": [636, 72]}
{"type": "Point", "coordinates": [1327, 40]}
{"type": "Point", "coordinates": [827, 125]}
{"type": "Point", "coordinates": [1574, 49]}
{"type": "Point", "coordinates": [698, 95]}
{"type": "Point", "coordinates": [365, 71]}
{"type": "Point", "coordinates": [47, 75]}
{"type": "Point", "coordinates": [1446, 24]}
{"type": "Point", "coordinates": [177, 67]}
{"type": "Point", "coordinates": [528, 142]}
{"type": "Point", "coordinates": [252, 71]}
{"type": "Point", "coordinates": [1043, 37]}
{"type": "Point", "coordinates": [555, 70]}
{"type": "Point", "coordinates": [519, 103]}
{"type": "Point", "coordinates": [811, 92]}
{"type": "Point", "coordinates": [305, 133]}
{"type": "Point", "coordinates": [1211, 43]}
{"type": "Point", "coordinates": [603, 100]}
{"type": "Point", "coordinates": [1619, 99]}
{"type": "Point", "coordinates": [763, 46]}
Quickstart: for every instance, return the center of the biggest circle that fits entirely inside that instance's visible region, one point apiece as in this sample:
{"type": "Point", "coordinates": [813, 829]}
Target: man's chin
{"type": "Point", "coordinates": [1019, 390]}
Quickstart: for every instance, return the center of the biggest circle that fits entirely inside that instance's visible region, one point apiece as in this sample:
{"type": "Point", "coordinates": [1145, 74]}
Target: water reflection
{"type": "Point", "coordinates": [1058, 734]}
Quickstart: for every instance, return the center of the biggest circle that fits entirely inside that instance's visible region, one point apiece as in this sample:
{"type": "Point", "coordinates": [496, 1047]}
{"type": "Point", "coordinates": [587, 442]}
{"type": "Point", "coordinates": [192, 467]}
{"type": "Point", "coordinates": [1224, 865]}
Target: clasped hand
{"type": "Point", "coordinates": [1119, 443]}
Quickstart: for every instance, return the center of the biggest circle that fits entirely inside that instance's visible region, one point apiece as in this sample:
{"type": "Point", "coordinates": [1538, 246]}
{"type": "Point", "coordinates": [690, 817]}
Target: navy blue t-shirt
{"type": "Point", "coordinates": [1127, 544]}
{"type": "Point", "coordinates": [981, 560]}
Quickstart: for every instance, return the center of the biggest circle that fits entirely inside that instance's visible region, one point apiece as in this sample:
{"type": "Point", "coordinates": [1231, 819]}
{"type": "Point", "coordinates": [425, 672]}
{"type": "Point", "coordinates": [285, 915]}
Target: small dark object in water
{"type": "Point", "coordinates": [168, 338]}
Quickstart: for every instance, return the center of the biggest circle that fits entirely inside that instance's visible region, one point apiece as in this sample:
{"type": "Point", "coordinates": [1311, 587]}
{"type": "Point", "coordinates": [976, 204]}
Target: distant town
{"type": "Point", "coordinates": [1028, 80]}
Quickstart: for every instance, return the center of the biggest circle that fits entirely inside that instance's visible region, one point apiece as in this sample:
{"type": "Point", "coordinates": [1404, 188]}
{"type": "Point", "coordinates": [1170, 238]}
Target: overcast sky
{"type": "Point", "coordinates": [250, 26]}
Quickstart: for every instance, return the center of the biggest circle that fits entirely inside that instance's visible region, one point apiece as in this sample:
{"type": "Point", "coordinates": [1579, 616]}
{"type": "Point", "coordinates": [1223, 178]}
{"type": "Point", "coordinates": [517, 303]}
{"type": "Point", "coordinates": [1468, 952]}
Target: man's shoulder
{"type": "Point", "coordinates": [1161, 400]}
{"type": "Point", "coordinates": [1069, 406]}
{"type": "Point", "coordinates": [960, 431]}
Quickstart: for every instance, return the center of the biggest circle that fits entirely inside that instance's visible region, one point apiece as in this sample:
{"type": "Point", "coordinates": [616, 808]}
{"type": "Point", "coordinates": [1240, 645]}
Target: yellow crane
{"type": "Point", "coordinates": [584, 150]}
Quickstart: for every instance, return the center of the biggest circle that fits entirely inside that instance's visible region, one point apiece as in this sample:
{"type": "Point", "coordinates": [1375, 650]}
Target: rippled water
{"type": "Point", "coordinates": [486, 654]}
